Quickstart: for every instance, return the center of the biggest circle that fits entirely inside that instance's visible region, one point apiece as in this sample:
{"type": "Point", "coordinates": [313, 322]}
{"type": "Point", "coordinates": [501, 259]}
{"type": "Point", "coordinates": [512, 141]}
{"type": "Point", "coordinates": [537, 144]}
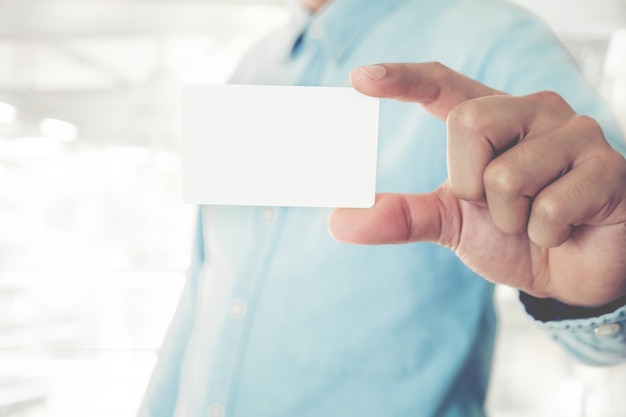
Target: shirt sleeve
{"type": "Point", "coordinates": [596, 340]}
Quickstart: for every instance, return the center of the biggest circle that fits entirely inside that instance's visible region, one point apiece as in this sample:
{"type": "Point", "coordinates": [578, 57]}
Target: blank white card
{"type": "Point", "coordinates": [278, 146]}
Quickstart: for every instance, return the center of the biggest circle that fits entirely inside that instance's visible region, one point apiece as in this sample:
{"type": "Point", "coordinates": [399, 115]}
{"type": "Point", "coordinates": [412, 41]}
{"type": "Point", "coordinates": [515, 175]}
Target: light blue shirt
{"type": "Point", "coordinates": [278, 319]}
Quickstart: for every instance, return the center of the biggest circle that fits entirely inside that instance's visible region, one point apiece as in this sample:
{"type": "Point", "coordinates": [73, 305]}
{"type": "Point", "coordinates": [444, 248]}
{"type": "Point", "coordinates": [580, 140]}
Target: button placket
{"type": "Point", "coordinates": [237, 303]}
{"type": "Point", "coordinates": [237, 309]}
{"type": "Point", "coordinates": [267, 214]}
{"type": "Point", "coordinates": [216, 410]}
{"type": "Point", "coordinates": [316, 30]}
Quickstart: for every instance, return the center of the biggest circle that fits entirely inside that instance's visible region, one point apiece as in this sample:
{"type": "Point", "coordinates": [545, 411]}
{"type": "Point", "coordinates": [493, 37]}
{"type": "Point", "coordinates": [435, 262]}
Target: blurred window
{"type": "Point", "coordinates": [95, 239]}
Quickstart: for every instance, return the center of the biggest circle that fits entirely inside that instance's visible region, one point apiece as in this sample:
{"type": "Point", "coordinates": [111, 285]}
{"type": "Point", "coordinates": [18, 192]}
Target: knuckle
{"type": "Point", "coordinates": [439, 68]}
{"type": "Point", "coordinates": [549, 209]}
{"type": "Point", "coordinates": [597, 150]}
{"type": "Point", "coordinates": [502, 179]}
{"type": "Point", "coordinates": [552, 106]}
{"type": "Point", "coordinates": [552, 100]}
{"type": "Point", "coordinates": [443, 74]}
{"type": "Point", "coordinates": [465, 117]}
{"type": "Point", "coordinates": [587, 125]}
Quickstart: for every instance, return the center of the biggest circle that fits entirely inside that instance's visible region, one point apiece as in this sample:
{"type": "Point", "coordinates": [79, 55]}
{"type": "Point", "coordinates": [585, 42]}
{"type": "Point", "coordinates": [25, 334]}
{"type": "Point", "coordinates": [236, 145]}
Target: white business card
{"type": "Point", "coordinates": [278, 146]}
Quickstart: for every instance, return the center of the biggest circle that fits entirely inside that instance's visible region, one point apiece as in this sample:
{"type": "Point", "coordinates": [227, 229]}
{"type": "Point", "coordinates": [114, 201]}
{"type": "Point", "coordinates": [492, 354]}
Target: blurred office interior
{"type": "Point", "coordinates": [94, 238]}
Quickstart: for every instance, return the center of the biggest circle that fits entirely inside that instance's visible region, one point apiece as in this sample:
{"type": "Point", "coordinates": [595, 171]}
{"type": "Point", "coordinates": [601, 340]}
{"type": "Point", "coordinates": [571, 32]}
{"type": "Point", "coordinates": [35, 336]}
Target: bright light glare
{"type": "Point", "coordinates": [4, 179]}
{"type": "Point", "coordinates": [8, 113]}
{"type": "Point", "coordinates": [58, 129]}
{"type": "Point", "coordinates": [36, 147]}
{"type": "Point", "coordinates": [570, 397]}
{"type": "Point", "coordinates": [167, 161]}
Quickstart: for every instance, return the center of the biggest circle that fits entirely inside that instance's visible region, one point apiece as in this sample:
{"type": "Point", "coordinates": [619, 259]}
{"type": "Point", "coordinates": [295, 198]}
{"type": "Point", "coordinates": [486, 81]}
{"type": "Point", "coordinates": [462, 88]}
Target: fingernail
{"type": "Point", "coordinates": [374, 72]}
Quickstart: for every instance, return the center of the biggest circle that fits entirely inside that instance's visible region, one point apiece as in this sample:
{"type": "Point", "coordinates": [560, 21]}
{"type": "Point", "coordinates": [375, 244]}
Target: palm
{"type": "Point", "coordinates": [580, 270]}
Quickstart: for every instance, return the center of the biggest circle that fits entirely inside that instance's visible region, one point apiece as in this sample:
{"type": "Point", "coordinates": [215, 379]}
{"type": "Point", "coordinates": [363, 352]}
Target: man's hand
{"type": "Point", "coordinates": [536, 197]}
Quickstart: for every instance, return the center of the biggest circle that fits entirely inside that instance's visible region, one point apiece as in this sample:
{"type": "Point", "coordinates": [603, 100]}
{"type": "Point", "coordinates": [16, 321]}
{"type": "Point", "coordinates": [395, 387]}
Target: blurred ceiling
{"type": "Point", "coordinates": [114, 67]}
{"type": "Point", "coordinates": [576, 19]}
{"type": "Point", "coordinates": [78, 18]}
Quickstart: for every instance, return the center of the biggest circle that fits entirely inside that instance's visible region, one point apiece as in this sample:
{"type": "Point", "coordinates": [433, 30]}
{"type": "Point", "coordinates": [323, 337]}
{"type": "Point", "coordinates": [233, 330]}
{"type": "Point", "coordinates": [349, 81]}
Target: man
{"type": "Point", "coordinates": [278, 319]}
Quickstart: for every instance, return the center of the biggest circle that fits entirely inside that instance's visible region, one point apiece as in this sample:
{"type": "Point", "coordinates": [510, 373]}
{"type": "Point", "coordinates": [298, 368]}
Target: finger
{"type": "Point", "coordinates": [396, 218]}
{"type": "Point", "coordinates": [584, 195]}
{"type": "Point", "coordinates": [433, 85]}
{"type": "Point", "coordinates": [481, 129]}
{"type": "Point", "coordinates": [514, 179]}
{"type": "Point", "coordinates": [562, 206]}
{"type": "Point", "coordinates": [551, 181]}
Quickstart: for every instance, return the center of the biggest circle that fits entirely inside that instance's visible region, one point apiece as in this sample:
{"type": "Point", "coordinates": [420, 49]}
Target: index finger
{"type": "Point", "coordinates": [433, 85]}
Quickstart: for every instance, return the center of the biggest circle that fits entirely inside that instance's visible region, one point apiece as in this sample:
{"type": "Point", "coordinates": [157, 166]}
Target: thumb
{"type": "Point", "coordinates": [433, 85]}
{"type": "Point", "coordinates": [395, 218]}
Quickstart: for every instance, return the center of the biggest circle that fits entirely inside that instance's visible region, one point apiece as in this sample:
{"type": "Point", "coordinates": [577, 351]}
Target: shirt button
{"type": "Point", "coordinates": [237, 309]}
{"type": "Point", "coordinates": [316, 30]}
{"type": "Point", "coordinates": [607, 329]}
{"type": "Point", "coordinates": [216, 410]}
{"type": "Point", "coordinates": [268, 214]}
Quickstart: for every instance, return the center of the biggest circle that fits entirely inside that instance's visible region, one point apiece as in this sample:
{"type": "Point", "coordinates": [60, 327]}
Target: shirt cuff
{"type": "Point", "coordinates": [549, 309]}
{"type": "Point", "coordinates": [595, 336]}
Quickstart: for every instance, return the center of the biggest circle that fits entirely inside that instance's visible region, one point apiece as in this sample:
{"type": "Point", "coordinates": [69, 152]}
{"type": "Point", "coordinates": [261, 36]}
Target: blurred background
{"type": "Point", "coordinates": [94, 239]}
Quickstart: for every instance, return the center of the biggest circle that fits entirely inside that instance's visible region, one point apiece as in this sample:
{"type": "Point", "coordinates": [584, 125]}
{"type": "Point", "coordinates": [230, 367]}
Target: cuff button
{"type": "Point", "coordinates": [607, 329]}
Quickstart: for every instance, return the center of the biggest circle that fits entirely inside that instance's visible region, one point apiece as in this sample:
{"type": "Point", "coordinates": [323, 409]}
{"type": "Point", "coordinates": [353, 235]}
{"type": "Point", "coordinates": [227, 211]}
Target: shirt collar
{"type": "Point", "coordinates": [299, 19]}
{"type": "Point", "coordinates": [342, 23]}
